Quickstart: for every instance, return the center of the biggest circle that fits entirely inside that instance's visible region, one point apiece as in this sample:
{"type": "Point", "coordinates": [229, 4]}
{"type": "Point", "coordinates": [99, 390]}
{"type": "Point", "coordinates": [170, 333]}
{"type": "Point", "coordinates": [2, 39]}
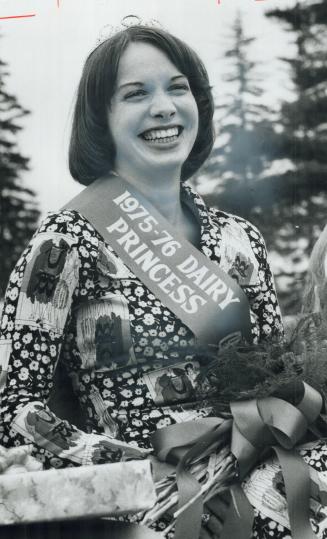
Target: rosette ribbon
{"type": "Point", "coordinates": [275, 423]}
{"type": "Point", "coordinates": [279, 424]}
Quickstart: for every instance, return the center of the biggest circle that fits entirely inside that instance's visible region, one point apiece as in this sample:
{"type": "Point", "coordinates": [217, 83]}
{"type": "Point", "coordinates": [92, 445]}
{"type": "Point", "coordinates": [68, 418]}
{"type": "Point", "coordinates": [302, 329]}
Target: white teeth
{"type": "Point", "coordinates": [155, 134]}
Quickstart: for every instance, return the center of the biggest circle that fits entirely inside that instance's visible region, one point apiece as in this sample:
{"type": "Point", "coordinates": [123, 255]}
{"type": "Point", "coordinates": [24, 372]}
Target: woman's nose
{"type": "Point", "coordinates": [162, 106]}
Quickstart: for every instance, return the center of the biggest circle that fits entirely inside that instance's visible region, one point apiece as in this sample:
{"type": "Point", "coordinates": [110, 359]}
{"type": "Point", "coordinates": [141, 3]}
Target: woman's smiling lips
{"type": "Point", "coordinates": [162, 135]}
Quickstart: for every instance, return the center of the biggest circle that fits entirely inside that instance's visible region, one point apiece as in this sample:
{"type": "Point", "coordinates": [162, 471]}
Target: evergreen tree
{"type": "Point", "coordinates": [299, 194]}
{"type": "Point", "coordinates": [18, 210]}
{"type": "Point", "coordinates": [279, 182]}
{"type": "Point", "coordinates": [245, 138]}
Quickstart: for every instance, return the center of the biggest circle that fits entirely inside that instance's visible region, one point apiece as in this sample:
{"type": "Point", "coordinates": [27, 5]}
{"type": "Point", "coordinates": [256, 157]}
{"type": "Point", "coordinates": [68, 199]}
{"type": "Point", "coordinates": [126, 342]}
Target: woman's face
{"type": "Point", "coordinates": [153, 116]}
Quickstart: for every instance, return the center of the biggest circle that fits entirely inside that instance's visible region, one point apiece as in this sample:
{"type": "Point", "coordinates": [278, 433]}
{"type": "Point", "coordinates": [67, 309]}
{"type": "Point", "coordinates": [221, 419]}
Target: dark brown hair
{"type": "Point", "coordinates": [91, 150]}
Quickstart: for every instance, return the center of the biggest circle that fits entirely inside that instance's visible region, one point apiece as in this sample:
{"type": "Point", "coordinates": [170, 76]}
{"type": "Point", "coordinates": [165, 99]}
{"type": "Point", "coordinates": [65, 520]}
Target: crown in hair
{"type": "Point", "coordinates": [109, 30]}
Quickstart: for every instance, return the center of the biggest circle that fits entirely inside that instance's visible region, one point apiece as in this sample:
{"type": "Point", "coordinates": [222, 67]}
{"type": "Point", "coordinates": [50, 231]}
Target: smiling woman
{"type": "Point", "coordinates": [99, 85]}
{"type": "Point", "coordinates": [154, 123]}
{"type": "Point", "coordinates": [119, 287]}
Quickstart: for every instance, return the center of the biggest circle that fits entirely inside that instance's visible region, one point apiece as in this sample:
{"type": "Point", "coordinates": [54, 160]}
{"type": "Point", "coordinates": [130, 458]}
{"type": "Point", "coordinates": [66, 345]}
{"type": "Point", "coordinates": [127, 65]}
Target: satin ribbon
{"type": "Point", "coordinates": [257, 426]}
{"type": "Point", "coordinates": [219, 316]}
{"type": "Point", "coordinates": [274, 423]}
{"type": "Point", "coordinates": [180, 444]}
{"type": "Point", "coordinates": [270, 421]}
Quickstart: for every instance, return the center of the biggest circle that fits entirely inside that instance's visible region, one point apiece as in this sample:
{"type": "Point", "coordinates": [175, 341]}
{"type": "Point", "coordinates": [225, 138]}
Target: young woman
{"type": "Point", "coordinates": [144, 114]}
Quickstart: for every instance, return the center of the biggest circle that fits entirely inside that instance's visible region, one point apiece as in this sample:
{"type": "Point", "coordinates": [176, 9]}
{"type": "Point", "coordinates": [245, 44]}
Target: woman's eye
{"type": "Point", "coordinates": [135, 93]}
{"type": "Point", "coordinates": [182, 87]}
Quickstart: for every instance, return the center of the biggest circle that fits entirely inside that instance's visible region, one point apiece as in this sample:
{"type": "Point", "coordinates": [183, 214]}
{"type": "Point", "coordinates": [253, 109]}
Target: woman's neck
{"type": "Point", "coordinates": [162, 192]}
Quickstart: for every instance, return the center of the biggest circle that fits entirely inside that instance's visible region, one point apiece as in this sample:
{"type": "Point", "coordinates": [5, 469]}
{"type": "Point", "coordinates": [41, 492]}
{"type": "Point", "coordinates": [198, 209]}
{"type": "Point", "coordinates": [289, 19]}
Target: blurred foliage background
{"type": "Point", "coordinates": [19, 211]}
{"type": "Point", "coordinates": [269, 164]}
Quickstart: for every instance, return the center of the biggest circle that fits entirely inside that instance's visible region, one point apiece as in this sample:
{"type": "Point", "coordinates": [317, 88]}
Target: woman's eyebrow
{"type": "Point", "coordinates": [130, 84]}
{"type": "Point", "coordinates": [179, 77]}
{"type": "Point", "coordinates": [142, 83]}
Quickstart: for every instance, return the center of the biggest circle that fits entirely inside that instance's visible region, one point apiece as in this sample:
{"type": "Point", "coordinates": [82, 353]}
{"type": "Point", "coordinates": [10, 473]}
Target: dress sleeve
{"type": "Point", "coordinates": [48, 278]}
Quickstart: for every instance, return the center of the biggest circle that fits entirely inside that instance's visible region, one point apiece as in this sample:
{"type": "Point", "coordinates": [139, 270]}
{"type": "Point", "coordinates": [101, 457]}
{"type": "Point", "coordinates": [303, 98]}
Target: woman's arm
{"type": "Point", "coordinates": [56, 270]}
{"type": "Point", "coordinates": [265, 306]}
{"type": "Point", "coordinates": [243, 254]}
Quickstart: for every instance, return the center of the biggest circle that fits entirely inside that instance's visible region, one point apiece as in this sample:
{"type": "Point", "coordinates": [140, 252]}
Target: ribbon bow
{"type": "Point", "coordinates": [278, 422]}
{"type": "Point", "coordinates": [275, 423]}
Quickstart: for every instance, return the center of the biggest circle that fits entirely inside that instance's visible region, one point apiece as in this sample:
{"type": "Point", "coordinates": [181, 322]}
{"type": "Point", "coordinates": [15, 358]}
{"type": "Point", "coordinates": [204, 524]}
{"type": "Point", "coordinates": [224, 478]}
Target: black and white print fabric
{"type": "Point", "coordinates": [70, 299]}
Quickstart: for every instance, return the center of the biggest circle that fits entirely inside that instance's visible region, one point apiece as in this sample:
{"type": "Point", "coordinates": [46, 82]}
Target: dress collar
{"type": "Point", "coordinates": [210, 234]}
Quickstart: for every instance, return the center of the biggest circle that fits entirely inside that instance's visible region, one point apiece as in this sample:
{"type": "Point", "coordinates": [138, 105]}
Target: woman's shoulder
{"type": "Point", "coordinates": [230, 223]}
{"type": "Point", "coordinates": [227, 223]}
{"type": "Point", "coordinates": [66, 230]}
{"type": "Point", "coordinates": [69, 223]}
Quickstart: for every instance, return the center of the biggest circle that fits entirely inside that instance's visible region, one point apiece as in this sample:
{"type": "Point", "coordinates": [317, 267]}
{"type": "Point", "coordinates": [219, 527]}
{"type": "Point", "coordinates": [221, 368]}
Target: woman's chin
{"type": "Point", "coordinates": [153, 158]}
{"type": "Point", "coordinates": [168, 159]}
{"type": "Point", "coordinates": [168, 166]}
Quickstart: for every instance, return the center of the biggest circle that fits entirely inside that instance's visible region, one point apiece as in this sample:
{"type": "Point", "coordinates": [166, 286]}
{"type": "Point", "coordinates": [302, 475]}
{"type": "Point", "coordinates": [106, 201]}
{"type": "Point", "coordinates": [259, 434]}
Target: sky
{"type": "Point", "coordinates": [45, 55]}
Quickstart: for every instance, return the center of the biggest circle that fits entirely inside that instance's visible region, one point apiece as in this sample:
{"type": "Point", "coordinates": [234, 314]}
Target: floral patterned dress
{"type": "Point", "coordinates": [72, 300]}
